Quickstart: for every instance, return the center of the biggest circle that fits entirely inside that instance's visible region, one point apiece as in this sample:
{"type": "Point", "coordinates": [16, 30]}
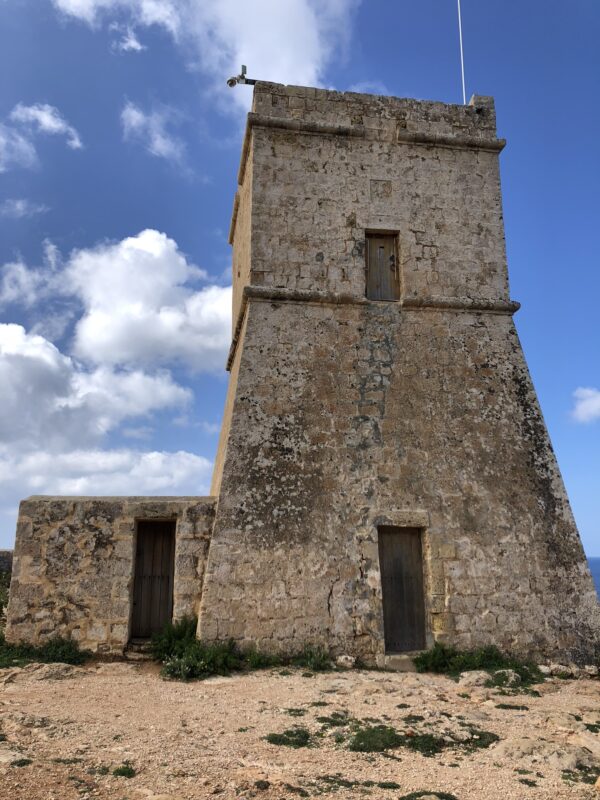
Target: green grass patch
{"type": "Point", "coordinates": [593, 727]}
{"type": "Point", "coordinates": [124, 771]}
{"type": "Point", "coordinates": [336, 719]}
{"type": "Point", "coordinates": [337, 780]}
{"type": "Point", "coordinates": [447, 660]}
{"type": "Point", "coordinates": [4, 587]}
{"type": "Point", "coordinates": [296, 790]}
{"type": "Point", "coordinates": [581, 774]}
{"type": "Point", "coordinates": [295, 712]}
{"type": "Point", "coordinates": [315, 659]}
{"type": "Point", "coordinates": [375, 739]}
{"type": "Point", "coordinates": [56, 650]}
{"type": "Point", "coordinates": [292, 737]}
{"type": "Point", "coordinates": [186, 658]}
{"type": "Point", "coordinates": [367, 738]}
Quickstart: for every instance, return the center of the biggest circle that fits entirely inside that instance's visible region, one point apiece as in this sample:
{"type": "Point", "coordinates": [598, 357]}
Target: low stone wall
{"type": "Point", "coordinates": [74, 565]}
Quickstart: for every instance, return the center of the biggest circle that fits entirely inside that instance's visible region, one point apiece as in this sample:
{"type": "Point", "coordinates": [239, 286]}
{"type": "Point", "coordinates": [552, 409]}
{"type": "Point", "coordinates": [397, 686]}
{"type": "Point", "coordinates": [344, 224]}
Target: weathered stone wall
{"type": "Point", "coordinates": [348, 414]}
{"type": "Point", "coordinates": [74, 565]}
{"type": "Point", "coordinates": [341, 170]}
{"type": "Point", "coordinates": [240, 236]}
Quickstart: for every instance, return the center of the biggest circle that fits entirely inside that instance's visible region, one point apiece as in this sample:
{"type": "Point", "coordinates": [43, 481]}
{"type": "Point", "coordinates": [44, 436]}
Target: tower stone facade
{"type": "Point", "coordinates": [349, 417]}
{"type": "Point", "coordinates": [384, 477]}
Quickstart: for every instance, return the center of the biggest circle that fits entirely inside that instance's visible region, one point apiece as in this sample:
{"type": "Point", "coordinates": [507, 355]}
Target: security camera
{"type": "Point", "coordinates": [241, 78]}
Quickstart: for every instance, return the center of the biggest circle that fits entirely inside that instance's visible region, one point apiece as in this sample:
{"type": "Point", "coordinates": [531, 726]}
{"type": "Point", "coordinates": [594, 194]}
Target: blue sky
{"type": "Point", "coordinates": [119, 147]}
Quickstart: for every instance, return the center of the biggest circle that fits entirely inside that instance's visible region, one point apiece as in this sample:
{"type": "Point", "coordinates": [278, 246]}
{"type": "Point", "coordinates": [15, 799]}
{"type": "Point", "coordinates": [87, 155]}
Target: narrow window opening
{"type": "Point", "coordinates": [383, 272]}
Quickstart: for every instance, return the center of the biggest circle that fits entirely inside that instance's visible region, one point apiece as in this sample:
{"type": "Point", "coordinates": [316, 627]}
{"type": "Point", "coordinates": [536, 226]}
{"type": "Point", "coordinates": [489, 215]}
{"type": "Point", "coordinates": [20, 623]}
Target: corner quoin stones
{"type": "Point", "coordinates": [344, 415]}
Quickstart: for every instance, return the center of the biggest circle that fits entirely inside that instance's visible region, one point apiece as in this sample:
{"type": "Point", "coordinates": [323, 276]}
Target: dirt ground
{"type": "Point", "coordinates": [63, 730]}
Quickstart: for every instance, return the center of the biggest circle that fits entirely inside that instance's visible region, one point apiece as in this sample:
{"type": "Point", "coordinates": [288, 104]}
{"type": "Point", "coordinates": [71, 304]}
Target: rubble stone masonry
{"type": "Point", "coordinates": [74, 565]}
{"type": "Point", "coordinates": [346, 414]}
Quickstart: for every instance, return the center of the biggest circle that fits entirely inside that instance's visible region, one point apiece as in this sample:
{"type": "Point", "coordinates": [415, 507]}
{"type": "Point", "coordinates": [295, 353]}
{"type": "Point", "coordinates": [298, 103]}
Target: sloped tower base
{"type": "Point", "coordinates": [348, 418]}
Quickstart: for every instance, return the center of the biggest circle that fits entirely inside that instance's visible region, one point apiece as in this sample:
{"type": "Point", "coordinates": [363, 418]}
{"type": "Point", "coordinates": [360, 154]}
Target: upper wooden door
{"type": "Point", "coordinates": [153, 579]}
{"type": "Point", "coordinates": [383, 276]}
{"type": "Point", "coordinates": [401, 566]}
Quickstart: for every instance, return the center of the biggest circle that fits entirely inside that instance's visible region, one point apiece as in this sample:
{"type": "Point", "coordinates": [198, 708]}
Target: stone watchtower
{"type": "Point", "coordinates": [384, 474]}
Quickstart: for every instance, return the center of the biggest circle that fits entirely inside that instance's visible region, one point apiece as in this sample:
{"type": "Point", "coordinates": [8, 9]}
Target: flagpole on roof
{"type": "Point", "coordinates": [462, 58]}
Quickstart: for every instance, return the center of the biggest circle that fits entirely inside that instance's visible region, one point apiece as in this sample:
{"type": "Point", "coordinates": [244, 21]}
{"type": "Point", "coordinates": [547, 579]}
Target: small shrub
{"type": "Point", "coordinates": [295, 712]}
{"type": "Point", "coordinates": [375, 739]}
{"type": "Point", "coordinates": [199, 661]}
{"type": "Point", "coordinates": [593, 727]}
{"type": "Point", "coordinates": [174, 640]}
{"type": "Point", "coordinates": [4, 587]}
{"type": "Point", "coordinates": [262, 785]}
{"type": "Point", "coordinates": [255, 659]}
{"type": "Point", "coordinates": [316, 659]}
{"type": "Point", "coordinates": [296, 790]}
{"type": "Point", "coordinates": [512, 707]}
{"type": "Point", "coordinates": [428, 793]}
{"type": "Point", "coordinates": [412, 718]}
{"type": "Point", "coordinates": [21, 762]}
{"type": "Point", "coordinates": [337, 780]}
{"type": "Point", "coordinates": [292, 737]}
{"type": "Point", "coordinates": [124, 771]}
{"type": "Point", "coordinates": [59, 650]}
{"type": "Point", "coordinates": [335, 719]}
{"type": "Point", "coordinates": [450, 661]}
{"type": "Point", "coordinates": [527, 782]}
{"type": "Point", "coordinates": [581, 774]}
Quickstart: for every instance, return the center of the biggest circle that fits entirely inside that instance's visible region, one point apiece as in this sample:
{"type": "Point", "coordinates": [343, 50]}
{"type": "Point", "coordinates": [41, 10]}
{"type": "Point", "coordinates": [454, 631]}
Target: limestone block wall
{"type": "Point", "coordinates": [351, 416]}
{"type": "Point", "coordinates": [74, 565]}
{"type": "Point", "coordinates": [327, 167]}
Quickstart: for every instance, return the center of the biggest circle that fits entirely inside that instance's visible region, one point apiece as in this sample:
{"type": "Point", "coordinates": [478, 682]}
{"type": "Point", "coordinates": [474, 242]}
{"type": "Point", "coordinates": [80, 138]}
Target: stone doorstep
{"type": "Point", "coordinates": [138, 650]}
{"type": "Point", "coordinates": [400, 662]}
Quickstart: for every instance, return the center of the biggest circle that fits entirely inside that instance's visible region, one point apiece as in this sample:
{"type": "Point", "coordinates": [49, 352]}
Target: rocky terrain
{"type": "Point", "coordinates": [118, 730]}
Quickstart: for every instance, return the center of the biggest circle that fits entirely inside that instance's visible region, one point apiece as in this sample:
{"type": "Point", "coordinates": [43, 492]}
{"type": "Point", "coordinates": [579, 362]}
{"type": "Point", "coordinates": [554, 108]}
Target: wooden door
{"type": "Point", "coordinates": [153, 579]}
{"type": "Point", "coordinates": [383, 277]}
{"type": "Point", "coordinates": [401, 566]}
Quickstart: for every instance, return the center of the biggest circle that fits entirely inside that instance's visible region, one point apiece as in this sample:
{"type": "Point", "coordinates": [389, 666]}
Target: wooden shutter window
{"type": "Point", "coordinates": [383, 274]}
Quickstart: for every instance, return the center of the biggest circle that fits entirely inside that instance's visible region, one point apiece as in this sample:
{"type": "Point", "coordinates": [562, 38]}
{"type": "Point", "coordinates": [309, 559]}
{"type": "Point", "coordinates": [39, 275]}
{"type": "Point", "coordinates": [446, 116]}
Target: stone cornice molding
{"type": "Point", "coordinates": [281, 295]}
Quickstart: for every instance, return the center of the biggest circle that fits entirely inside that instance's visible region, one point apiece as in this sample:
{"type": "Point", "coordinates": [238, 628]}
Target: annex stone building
{"type": "Point", "coordinates": [384, 477]}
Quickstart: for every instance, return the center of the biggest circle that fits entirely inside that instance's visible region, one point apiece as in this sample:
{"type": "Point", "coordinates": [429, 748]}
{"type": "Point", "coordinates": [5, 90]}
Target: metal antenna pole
{"type": "Point", "coordinates": [462, 58]}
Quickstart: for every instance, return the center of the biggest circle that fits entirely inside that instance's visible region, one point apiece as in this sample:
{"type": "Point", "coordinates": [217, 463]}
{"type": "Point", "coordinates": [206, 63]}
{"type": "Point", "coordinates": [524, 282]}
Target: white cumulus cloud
{"type": "Point", "coordinates": [19, 208]}
{"type": "Point", "coordinates": [49, 399]}
{"type": "Point", "coordinates": [128, 41]}
{"type": "Point", "coordinates": [16, 150]}
{"type": "Point", "coordinates": [286, 42]}
{"type": "Point", "coordinates": [100, 472]}
{"type": "Point", "coordinates": [139, 303]}
{"type": "Point", "coordinates": [151, 131]}
{"type": "Point", "coordinates": [45, 118]}
{"type": "Point", "coordinates": [587, 404]}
